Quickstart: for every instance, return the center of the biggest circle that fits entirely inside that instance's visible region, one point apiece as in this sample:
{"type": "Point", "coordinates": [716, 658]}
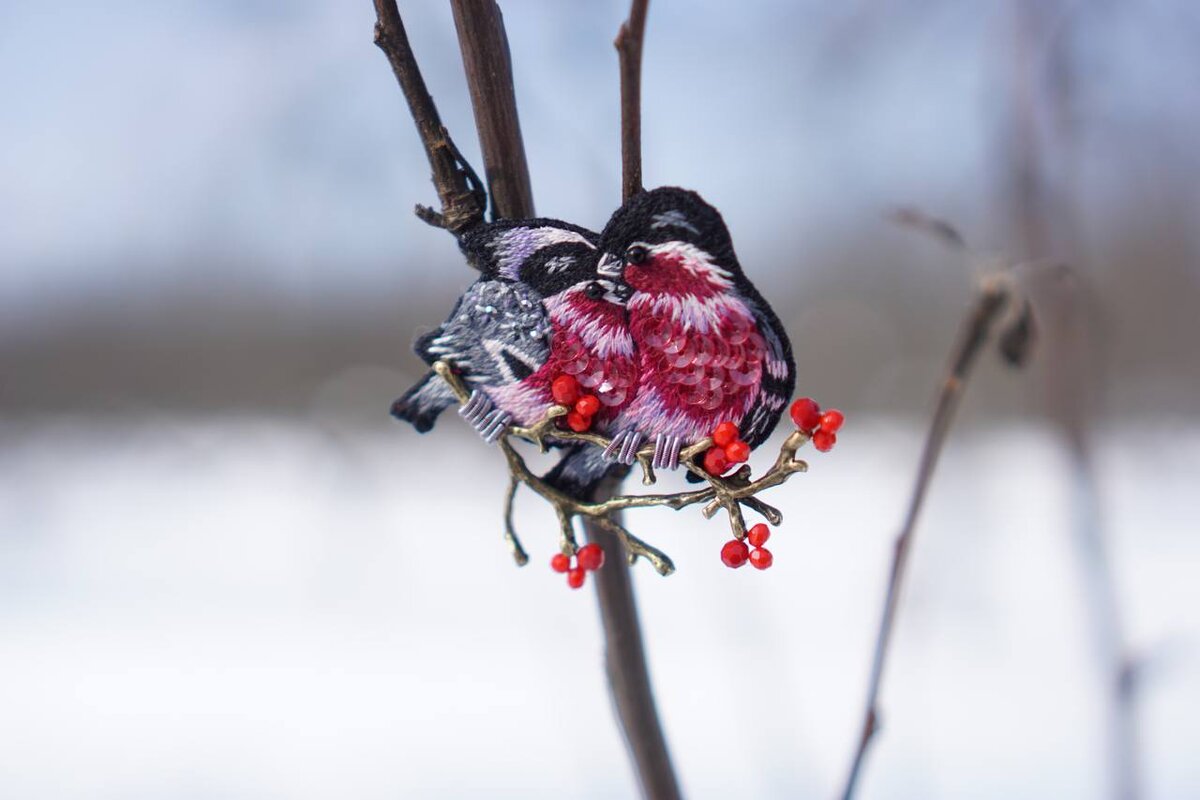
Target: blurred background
{"type": "Point", "coordinates": [225, 572]}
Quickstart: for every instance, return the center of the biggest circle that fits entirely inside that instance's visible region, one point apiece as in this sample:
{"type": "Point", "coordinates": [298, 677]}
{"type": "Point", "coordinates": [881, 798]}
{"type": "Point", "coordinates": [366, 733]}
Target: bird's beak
{"type": "Point", "coordinates": [616, 292]}
{"type": "Point", "coordinates": [610, 266]}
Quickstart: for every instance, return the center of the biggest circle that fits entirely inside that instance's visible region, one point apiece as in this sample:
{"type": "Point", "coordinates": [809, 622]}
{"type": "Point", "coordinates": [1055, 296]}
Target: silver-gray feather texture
{"type": "Point", "coordinates": [498, 334]}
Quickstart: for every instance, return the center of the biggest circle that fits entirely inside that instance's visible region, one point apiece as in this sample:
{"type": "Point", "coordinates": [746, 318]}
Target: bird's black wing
{"type": "Point", "coordinates": [518, 250]}
{"type": "Point", "coordinates": [778, 378]}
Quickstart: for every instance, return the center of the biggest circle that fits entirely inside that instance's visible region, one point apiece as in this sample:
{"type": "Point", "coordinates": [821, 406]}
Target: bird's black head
{"type": "Point", "coordinates": [665, 215]}
{"type": "Point", "coordinates": [669, 240]}
{"type": "Point", "coordinates": [547, 255]}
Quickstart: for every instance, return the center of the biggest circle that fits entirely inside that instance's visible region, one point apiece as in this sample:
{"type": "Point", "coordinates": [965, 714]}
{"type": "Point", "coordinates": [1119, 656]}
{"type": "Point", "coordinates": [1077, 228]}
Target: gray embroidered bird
{"type": "Point", "coordinates": [539, 327]}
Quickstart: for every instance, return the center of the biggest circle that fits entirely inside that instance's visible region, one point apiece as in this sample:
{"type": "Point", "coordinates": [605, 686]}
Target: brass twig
{"type": "Point", "coordinates": [729, 493]}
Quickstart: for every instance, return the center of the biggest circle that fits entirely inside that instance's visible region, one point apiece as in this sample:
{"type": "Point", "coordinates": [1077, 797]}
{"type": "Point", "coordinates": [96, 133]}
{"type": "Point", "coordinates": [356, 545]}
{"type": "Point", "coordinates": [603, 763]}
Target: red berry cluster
{"type": "Point", "coordinates": [587, 559]}
{"type": "Point", "coordinates": [822, 427]}
{"type": "Point", "coordinates": [728, 449]}
{"type": "Point", "coordinates": [735, 553]}
{"type": "Point", "coordinates": [565, 391]}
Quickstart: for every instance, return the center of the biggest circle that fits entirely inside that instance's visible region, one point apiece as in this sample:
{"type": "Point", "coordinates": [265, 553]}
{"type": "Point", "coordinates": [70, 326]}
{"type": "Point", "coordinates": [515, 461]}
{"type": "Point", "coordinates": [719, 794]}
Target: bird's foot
{"type": "Point", "coordinates": [624, 447]}
{"type": "Point", "coordinates": [484, 417]}
{"type": "Point", "coordinates": [666, 451]}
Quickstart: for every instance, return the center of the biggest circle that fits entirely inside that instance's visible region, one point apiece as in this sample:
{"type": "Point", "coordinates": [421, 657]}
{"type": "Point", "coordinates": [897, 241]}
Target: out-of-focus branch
{"type": "Point", "coordinates": [994, 296]}
{"type": "Point", "coordinates": [1041, 118]}
{"type": "Point", "coordinates": [488, 65]}
{"type": "Point", "coordinates": [629, 56]}
{"type": "Point", "coordinates": [462, 196]}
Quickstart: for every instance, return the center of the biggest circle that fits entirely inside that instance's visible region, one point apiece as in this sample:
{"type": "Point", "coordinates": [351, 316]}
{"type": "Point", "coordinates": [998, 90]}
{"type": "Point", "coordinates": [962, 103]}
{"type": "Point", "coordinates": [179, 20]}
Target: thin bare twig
{"type": "Point", "coordinates": [993, 297]}
{"type": "Point", "coordinates": [629, 57]}
{"type": "Point", "coordinates": [462, 196]}
{"type": "Point", "coordinates": [488, 65]}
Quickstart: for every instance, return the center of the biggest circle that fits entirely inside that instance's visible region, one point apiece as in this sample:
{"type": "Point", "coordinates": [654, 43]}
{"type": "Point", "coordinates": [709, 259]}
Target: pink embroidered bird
{"type": "Point", "coordinates": [709, 347]}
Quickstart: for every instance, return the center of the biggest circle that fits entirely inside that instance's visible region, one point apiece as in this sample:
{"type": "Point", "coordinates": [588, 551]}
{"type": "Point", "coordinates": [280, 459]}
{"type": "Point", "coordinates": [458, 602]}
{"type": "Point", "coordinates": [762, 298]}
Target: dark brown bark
{"type": "Point", "coordinates": [459, 190]}
{"type": "Point", "coordinates": [625, 665]}
{"type": "Point", "coordinates": [488, 66]}
{"type": "Point", "coordinates": [629, 55]}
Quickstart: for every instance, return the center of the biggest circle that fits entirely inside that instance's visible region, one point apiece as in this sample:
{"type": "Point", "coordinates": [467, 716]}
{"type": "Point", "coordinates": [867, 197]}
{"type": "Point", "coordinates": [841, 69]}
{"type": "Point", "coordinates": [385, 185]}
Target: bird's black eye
{"type": "Point", "coordinates": [637, 254]}
{"type": "Point", "coordinates": [594, 290]}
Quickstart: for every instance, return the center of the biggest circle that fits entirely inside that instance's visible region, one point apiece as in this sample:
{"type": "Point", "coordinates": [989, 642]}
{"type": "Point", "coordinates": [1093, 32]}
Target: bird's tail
{"type": "Point", "coordinates": [579, 471]}
{"type": "Point", "coordinates": [421, 405]}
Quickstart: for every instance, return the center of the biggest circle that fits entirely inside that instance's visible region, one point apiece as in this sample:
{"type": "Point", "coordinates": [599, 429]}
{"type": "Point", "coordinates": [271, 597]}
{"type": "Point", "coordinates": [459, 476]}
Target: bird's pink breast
{"type": "Point", "coordinates": [589, 341]}
{"type": "Point", "coordinates": [695, 376]}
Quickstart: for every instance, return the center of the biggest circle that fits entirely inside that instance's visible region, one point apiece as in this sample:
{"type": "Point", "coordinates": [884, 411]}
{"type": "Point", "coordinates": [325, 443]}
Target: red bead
{"type": "Point", "coordinates": [560, 562]}
{"type": "Point", "coordinates": [806, 414]}
{"type": "Point", "coordinates": [590, 556]}
{"type": "Point", "coordinates": [759, 534]}
{"type": "Point", "coordinates": [715, 461]}
{"type": "Point", "coordinates": [761, 558]}
{"type": "Point", "coordinates": [734, 554]}
{"type": "Point", "coordinates": [575, 578]}
{"type": "Point", "coordinates": [824, 441]}
{"type": "Point", "coordinates": [578, 422]}
{"type": "Point", "coordinates": [832, 420]}
{"type": "Point", "coordinates": [588, 405]}
{"type": "Point", "coordinates": [565, 390]}
{"type": "Point", "coordinates": [726, 433]}
{"type": "Point", "coordinates": [737, 451]}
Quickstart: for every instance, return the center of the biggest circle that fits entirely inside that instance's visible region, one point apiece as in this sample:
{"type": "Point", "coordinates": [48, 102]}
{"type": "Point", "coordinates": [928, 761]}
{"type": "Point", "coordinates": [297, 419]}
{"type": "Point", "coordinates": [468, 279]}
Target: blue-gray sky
{"type": "Point", "coordinates": [149, 143]}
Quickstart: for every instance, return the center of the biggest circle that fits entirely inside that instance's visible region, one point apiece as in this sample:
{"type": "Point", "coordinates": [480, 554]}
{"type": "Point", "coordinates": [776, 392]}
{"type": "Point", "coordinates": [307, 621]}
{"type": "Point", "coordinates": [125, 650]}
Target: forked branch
{"type": "Point", "coordinates": [463, 198]}
{"type": "Point", "coordinates": [488, 65]}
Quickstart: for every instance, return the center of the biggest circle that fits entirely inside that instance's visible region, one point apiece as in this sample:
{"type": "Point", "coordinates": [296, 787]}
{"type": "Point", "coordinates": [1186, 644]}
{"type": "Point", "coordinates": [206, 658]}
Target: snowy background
{"type": "Point", "coordinates": [224, 573]}
{"type": "Point", "coordinates": [250, 608]}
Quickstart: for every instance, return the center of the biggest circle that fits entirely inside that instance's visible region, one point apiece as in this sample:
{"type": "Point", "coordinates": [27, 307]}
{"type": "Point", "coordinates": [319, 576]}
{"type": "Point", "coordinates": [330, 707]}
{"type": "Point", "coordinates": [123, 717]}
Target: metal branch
{"type": "Point", "coordinates": [728, 493]}
{"type": "Point", "coordinates": [488, 65]}
{"type": "Point", "coordinates": [629, 57]}
{"type": "Point", "coordinates": [994, 296]}
{"type": "Point", "coordinates": [462, 196]}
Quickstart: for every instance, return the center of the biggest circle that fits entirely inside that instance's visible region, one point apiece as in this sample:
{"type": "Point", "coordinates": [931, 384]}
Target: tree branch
{"type": "Point", "coordinates": [993, 297]}
{"type": "Point", "coordinates": [462, 196]}
{"type": "Point", "coordinates": [624, 652]}
{"type": "Point", "coordinates": [625, 665]}
{"type": "Point", "coordinates": [629, 56]}
{"type": "Point", "coordinates": [488, 65]}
